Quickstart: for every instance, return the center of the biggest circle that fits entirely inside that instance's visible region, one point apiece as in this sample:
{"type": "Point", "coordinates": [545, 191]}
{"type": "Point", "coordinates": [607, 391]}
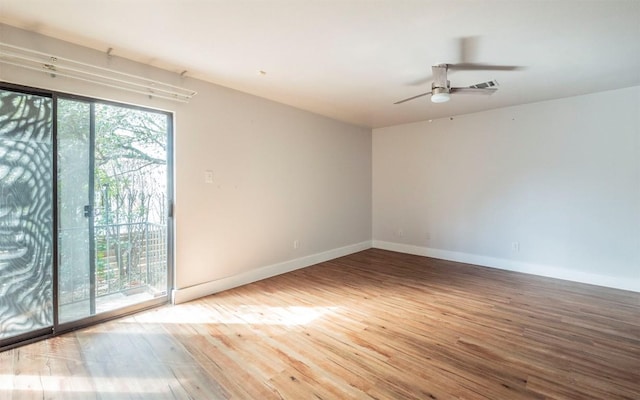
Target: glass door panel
{"type": "Point", "coordinates": [113, 196]}
{"type": "Point", "coordinates": [76, 298]}
{"type": "Point", "coordinates": [26, 214]}
{"type": "Point", "coordinates": [131, 205]}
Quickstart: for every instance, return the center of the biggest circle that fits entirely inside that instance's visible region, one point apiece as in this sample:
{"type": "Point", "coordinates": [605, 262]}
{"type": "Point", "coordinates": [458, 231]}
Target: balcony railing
{"type": "Point", "coordinates": [129, 259]}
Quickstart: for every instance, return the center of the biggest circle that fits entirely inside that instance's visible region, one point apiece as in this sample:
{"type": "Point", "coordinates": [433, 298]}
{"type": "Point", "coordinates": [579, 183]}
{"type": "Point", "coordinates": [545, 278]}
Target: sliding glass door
{"type": "Point", "coordinates": [85, 190]}
{"type": "Point", "coordinates": [26, 215]}
{"type": "Point", "coordinates": [112, 207]}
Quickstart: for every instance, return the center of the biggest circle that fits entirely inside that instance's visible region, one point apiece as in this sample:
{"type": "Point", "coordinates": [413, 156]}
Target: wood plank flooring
{"type": "Point", "coordinates": [373, 325]}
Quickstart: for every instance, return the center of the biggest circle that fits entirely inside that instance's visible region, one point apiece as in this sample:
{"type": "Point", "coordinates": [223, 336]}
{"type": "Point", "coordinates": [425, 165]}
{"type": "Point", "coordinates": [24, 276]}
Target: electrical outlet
{"type": "Point", "coordinates": [515, 246]}
{"type": "Point", "coordinates": [296, 244]}
{"type": "Point", "coordinates": [400, 232]}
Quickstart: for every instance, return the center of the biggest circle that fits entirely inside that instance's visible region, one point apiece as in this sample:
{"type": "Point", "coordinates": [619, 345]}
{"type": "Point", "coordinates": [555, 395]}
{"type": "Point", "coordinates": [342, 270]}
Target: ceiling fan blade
{"type": "Point", "coordinates": [484, 85]}
{"type": "Point", "coordinates": [489, 87]}
{"type": "Point", "coordinates": [472, 90]}
{"type": "Point", "coordinates": [421, 81]}
{"type": "Point", "coordinates": [482, 67]}
{"type": "Point", "coordinates": [411, 98]}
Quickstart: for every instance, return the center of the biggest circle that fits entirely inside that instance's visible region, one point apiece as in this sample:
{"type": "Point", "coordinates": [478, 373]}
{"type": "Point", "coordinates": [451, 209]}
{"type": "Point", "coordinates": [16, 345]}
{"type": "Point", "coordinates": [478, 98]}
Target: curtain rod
{"type": "Point", "coordinates": [53, 65]}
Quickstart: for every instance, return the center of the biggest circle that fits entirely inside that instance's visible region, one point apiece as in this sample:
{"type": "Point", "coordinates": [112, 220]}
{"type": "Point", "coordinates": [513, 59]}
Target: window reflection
{"type": "Point", "coordinates": [25, 213]}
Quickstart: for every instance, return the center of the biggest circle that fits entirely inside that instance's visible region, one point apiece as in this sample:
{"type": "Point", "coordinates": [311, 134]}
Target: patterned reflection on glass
{"type": "Point", "coordinates": [25, 213]}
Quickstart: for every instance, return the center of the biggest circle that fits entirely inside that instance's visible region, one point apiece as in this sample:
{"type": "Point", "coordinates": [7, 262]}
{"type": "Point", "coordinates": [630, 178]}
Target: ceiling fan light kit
{"type": "Point", "coordinates": [440, 95]}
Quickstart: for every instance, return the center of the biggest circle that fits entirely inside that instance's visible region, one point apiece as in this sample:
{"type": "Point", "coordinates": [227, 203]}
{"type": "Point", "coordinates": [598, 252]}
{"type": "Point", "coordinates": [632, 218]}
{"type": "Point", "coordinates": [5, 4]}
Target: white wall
{"type": "Point", "coordinates": [561, 178]}
{"type": "Point", "coordinates": [280, 174]}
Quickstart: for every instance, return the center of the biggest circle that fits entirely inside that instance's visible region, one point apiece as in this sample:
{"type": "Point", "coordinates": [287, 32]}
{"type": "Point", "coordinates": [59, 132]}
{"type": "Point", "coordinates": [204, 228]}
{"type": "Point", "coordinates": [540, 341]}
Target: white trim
{"type": "Point", "coordinates": [512, 265]}
{"type": "Point", "coordinates": [204, 289]}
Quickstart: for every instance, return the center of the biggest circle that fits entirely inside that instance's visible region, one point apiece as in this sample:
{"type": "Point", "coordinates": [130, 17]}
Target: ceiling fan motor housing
{"type": "Point", "coordinates": [438, 90]}
{"type": "Point", "coordinates": [440, 94]}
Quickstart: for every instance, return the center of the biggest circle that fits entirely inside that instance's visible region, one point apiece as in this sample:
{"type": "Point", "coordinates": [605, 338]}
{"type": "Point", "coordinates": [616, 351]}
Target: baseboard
{"type": "Point", "coordinates": [517, 266]}
{"type": "Point", "coordinates": [204, 289]}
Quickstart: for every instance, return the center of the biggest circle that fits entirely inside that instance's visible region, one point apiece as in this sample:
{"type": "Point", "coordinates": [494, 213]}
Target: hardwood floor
{"type": "Point", "coordinates": [373, 325]}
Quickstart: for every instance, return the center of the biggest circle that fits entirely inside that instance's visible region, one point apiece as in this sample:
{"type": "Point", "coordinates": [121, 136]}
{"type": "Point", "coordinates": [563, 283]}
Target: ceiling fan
{"type": "Point", "coordinates": [441, 89]}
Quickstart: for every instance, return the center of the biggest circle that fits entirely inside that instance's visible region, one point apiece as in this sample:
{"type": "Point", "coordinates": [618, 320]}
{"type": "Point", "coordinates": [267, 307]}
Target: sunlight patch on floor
{"type": "Point", "coordinates": [73, 384]}
{"type": "Point", "coordinates": [242, 314]}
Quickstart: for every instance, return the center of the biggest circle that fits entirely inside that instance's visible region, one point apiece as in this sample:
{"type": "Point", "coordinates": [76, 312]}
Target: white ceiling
{"type": "Point", "coordinates": [351, 59]}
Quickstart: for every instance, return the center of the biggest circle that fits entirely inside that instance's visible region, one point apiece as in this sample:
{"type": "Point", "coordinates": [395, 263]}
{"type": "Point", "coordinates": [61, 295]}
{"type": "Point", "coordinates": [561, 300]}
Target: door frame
{"type": "Point", "coordinates": [57, 327]}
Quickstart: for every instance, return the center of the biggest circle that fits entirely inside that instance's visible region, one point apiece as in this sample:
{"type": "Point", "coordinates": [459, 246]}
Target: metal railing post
{"type": "Point", "coordinates": [146, 255]}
